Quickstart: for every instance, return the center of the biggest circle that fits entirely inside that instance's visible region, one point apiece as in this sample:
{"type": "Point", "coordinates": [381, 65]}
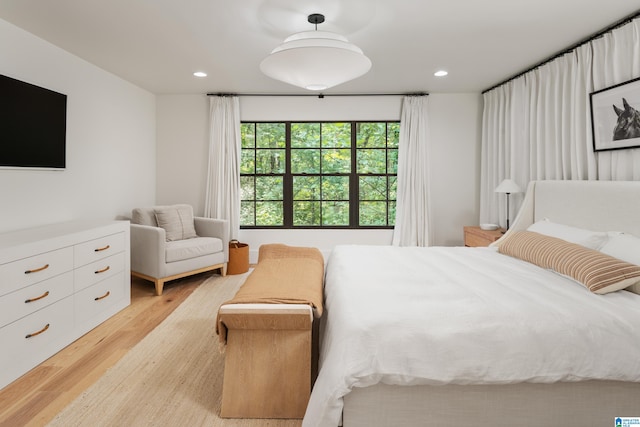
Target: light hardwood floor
{"type": "Point", "coordinates": [36, 397]}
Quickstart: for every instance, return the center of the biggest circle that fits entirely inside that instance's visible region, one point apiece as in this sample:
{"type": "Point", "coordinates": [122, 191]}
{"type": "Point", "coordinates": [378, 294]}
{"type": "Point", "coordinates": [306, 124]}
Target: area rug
{"type": "Point", "coordinates": [173, 377]}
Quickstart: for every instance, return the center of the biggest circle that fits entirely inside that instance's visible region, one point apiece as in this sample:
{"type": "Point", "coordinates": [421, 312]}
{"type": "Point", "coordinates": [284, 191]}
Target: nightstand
{"type": "Point", "coordinates": [475, 236]}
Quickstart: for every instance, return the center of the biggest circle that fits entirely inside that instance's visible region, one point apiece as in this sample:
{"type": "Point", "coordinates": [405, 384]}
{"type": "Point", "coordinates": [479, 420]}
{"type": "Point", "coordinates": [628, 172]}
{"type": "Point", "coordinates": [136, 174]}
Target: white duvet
{"type": "Point", "coordinates": [463, 316]}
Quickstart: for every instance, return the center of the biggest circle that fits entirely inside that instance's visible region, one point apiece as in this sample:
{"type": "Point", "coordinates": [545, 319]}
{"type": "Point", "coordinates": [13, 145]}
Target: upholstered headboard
{"type": "Point", "coordinates": [594, 205]}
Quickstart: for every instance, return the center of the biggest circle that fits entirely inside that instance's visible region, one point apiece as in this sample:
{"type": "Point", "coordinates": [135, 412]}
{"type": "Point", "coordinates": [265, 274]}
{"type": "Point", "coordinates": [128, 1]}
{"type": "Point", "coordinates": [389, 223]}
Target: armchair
{"type": "Point", "coordinates": [168, 243]}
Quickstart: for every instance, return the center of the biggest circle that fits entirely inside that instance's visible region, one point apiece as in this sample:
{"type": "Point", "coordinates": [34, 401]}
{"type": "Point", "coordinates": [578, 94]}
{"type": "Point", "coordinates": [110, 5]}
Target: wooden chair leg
{"type": "Point", "coordinates": [159, 285]}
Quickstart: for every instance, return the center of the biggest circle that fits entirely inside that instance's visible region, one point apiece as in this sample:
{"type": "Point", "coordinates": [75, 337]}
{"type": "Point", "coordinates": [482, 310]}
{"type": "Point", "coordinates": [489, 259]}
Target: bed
{"type": "Point", "coordinates": [476, 336]}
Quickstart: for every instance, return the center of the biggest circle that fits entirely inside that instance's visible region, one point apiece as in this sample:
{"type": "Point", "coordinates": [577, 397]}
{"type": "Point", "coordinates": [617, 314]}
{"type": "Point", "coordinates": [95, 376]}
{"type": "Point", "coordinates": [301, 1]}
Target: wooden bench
{"type": "Point", "coordinates": [268, 328]}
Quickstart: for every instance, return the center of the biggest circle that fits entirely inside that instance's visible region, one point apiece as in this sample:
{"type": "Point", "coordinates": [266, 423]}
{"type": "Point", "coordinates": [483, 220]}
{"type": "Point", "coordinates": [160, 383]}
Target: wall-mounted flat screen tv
{"type": "Point", "coordinates": [33, 126]}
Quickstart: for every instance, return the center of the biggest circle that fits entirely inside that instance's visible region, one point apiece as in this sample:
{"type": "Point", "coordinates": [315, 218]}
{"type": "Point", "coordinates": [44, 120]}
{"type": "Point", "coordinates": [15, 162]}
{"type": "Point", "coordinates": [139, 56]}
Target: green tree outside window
{"type": "Point", "coordinates": [318, 174]}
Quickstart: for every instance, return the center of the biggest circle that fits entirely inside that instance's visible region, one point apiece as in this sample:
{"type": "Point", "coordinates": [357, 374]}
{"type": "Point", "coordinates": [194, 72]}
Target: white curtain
{"type": "Point", "coordinates": [412, 219]}
{"type": "Point", "coordinates": [538, 126]}
{"type": "Point", "coordinates": [222, 199]}
{"type": "Point", "coordinates": [618, 60]}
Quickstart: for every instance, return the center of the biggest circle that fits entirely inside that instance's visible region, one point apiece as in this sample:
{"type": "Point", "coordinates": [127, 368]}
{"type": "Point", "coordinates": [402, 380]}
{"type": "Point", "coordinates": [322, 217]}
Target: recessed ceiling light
{"type": "Point", "coordinates": [200, 74]}
{"type": "Point", "coordinates": [440, 73]}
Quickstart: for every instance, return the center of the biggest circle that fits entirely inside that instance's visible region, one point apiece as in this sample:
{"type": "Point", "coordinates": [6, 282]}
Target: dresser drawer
{"type": "Point", "coordinates": [89, 274]}
{"type": "Point", "coordinates": [93, 250]}
{"type": "Point", "coordinates": [27, 271]}
{"type": "Point", "coordinates": [25, 301]}
{"type": "Point", "coordinates": [34, 338]}
{"type": "Point", "coordinates": [102, 296]}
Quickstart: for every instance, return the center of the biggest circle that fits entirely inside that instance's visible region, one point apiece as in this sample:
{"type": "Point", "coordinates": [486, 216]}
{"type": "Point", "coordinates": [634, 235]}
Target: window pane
{"type": "Point", "coordinates": [248, 135]}
{"type": "Point", "coordinates": [247, 189]}
{"type": "Point", "coordinates": [305, 135]}
{"type": "Point", "coordinates": [269, 213]}
{"type": "Point", "coordinates": [306, 188]}
{"type": "Point", "coordinates": [305, 161]}
{"type": "Point", "coordinates": [268, 188]}
{"type": "Point", "coordinates": [271, 135]}
{"type": "Point", "coordinates": [392, 161]}
{"type": "Point", "coordinates": [335, 213]}
{"type": "Point", "coordinates": [336, 161]}
{"type": "Point", "coordinates": [373, 213]}
{"type": "Point", "coordinates": [336, 135]}
{"type": "Point", "coordinates": [318, 166]}
{"type": "Point", "coordinates": [393, 188]}
{"type": "Point", "coordinates": [373, 187]}
{"type": "Point", "coordinates": [372, 161]}
{"type": "Point", "coordinates": [393, 134]}
{"type": "Point", "coordinates": [247, 213]}
{"type": "Point", "coordinates": [247, 161]}
{"type": "Point", "coordinates": [335, 188]}
{"type": "Point", "coordinates": [270, 161]}
{"type": "Point", "coordinates": [392, 213]}
{"type": "Point", "coordinates": [306, 213]}
{"type": "Point", "coordinates": [371, 135]}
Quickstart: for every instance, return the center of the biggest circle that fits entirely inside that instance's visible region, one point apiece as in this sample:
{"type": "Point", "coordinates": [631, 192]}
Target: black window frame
{"type": "Point", "coordinates": [354, 177]}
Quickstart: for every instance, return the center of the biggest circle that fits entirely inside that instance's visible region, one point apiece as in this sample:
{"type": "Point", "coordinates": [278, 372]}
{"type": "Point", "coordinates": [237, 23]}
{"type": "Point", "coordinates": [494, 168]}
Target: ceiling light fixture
{"type": "Point", "coordinates": [440, 73]}
{"type": "Point", "coordinates": [315, 60]}
{"type": "Point", "coordinates": [200, 74]}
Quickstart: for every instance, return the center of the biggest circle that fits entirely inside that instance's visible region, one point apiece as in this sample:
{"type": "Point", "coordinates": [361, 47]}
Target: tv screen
{"type": "Point", "coordinates": [33, 126]}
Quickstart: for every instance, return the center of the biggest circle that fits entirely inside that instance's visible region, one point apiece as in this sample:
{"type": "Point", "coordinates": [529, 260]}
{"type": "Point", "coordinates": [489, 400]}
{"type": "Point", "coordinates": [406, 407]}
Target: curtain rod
{"type": "Point", "coordinates": [615, 25]}
{"type": "Point", "coordinates": [319, 95]}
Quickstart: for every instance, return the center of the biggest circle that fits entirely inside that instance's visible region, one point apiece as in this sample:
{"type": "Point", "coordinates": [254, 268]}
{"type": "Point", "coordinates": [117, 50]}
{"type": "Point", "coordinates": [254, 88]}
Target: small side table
{"type": "Point", "coordinates": [475, 236]}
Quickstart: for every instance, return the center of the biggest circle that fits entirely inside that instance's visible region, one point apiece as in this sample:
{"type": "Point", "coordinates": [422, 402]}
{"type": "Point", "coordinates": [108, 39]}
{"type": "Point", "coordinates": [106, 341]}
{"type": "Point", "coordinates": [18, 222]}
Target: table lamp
{"type": "Point", "coordinates": [507, 186]}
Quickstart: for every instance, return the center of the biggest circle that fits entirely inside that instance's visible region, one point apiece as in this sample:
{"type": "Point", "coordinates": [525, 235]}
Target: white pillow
{"type": "Point", "coordinates": [587, 238]}
{"type": "Point", "coordinates": [623, 246]}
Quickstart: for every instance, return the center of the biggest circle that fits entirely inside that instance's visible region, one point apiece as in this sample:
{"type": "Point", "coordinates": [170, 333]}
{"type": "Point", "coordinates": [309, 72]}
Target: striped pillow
{"type": "Point", "coordinates": [600, 273]}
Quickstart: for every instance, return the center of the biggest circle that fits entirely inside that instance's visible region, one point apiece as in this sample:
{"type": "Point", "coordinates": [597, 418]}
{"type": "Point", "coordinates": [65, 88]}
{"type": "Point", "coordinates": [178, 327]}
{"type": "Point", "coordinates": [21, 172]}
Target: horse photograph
{"type": "Point", "coordinates": [615, 116]}
{"type": "Point", "coordinates": [628, 125]}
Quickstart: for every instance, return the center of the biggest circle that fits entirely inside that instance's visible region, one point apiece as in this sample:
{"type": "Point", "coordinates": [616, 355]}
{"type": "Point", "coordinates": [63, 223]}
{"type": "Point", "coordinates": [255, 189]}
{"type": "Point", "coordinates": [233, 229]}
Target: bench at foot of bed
{"type": "Point", "coordinates": [267, 372]}
{"type": "Point", "coordinates": [267, 328]}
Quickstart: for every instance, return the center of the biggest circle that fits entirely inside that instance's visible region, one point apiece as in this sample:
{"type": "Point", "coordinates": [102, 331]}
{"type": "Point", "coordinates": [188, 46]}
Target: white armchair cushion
{"type": "Point", "coordinates": [191, 248]}
{"type": "Point", "coordinates": [177, 222]}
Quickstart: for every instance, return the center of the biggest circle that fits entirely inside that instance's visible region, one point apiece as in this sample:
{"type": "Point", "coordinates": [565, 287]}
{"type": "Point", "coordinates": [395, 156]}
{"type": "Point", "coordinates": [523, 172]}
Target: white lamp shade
{"type": "Point", "coordinates": [315, 60]}
{"type": "Point", "coordinates": [508, 186]}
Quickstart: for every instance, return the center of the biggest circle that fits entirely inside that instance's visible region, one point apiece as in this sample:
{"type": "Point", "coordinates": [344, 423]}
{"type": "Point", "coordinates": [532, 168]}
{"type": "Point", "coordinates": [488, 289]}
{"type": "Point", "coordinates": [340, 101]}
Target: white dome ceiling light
{"type": "Point", "coordinates": [315, 60]}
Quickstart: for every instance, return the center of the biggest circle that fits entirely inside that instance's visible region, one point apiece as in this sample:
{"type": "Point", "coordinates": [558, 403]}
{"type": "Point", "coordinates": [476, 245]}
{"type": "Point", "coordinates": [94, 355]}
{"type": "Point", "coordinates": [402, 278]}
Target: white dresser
{"type": "Point", "coordinates": [58, 282]}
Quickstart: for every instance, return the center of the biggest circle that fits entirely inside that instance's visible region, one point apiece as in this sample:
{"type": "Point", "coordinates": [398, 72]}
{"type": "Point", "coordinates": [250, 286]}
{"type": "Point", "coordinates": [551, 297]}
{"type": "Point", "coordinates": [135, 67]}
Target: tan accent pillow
{"type": "Point", "coordinates": [177, 222]}
{"type": "Point", "coordinates": [600, 273]}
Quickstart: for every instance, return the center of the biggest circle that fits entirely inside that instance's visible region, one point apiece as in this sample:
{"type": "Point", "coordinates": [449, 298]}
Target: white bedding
{"type": "Point", "coordinates": [405, 316]}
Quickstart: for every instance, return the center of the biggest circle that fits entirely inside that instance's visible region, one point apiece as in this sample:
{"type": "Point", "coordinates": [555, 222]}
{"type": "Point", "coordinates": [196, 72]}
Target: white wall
{"type": "Point", "coordinates": [110, 140]}
{"type": "Point", "coordinates": [182, 144]}
{"type": "Point", "coordinates": [454, 168]}
{"type": "Point", "coordinates": [455, 134]}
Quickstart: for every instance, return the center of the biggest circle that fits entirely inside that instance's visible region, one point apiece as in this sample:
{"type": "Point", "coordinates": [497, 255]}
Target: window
{"type": "Point", "coordinates": [319, 174]}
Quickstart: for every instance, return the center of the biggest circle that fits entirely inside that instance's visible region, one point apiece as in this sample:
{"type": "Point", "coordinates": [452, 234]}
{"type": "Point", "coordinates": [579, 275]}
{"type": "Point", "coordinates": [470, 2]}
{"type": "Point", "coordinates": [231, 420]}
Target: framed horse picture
{"type": "Point", "coordinates": [615, 116]}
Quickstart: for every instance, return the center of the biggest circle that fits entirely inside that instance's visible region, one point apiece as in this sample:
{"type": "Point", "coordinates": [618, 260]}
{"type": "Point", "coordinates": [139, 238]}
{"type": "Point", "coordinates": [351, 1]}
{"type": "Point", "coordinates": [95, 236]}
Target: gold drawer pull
{"type": "Point", "coordinates": [102, 249]}
{"type": "Point", "coordinates": [39, 332]}
{"type": "Point", "coordinates": [35, 270]}
{"type": "Point", "coordinates": [103, 270]}
{"type": "Point", "coordinates": [103, 296]}
{"type": "Point", "coordinates": [46, 294]}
